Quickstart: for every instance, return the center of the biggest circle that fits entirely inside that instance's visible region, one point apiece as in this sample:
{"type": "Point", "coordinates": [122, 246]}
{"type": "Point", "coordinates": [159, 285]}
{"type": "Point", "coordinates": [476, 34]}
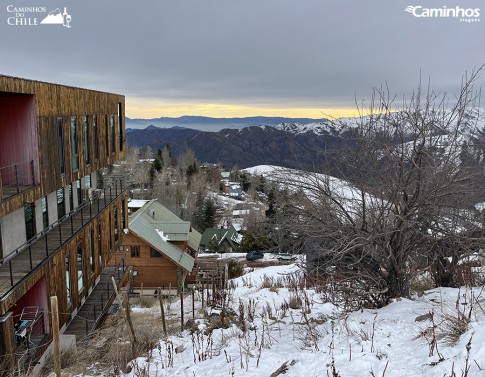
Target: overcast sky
{"type": "Point", "coordinates": [242, 57]}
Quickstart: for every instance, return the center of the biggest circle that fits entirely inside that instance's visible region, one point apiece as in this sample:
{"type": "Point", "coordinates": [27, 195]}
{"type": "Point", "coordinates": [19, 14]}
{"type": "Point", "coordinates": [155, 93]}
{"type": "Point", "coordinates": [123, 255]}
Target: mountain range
{"type": "Point", "coordinates": [212, 124]}
{"type": "Point", "coordinates": [294, 145]}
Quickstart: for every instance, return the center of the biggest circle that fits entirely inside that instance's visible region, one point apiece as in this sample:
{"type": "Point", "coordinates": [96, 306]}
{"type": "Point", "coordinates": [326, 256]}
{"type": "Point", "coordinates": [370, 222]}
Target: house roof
{"type": "Point", "coordinates": [175, 231]}
{"type": "Point", "coordinates": [161, 214]}
{"type": "Point", "coordinates": [147, 224]}
{"type": "Point", "coordinates": [231, 235]}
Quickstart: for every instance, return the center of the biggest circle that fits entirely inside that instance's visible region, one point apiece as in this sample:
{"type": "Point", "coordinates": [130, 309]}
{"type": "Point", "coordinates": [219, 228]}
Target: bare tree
{"type": "Point", "coordinates": [408, 177]}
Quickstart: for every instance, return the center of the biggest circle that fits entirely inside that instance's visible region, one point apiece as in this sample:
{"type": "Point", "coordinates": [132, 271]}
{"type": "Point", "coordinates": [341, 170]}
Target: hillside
{"type": "Point", "coordinates": [276, 327]}
{"type": "Point", "coordinates": [288, 144]}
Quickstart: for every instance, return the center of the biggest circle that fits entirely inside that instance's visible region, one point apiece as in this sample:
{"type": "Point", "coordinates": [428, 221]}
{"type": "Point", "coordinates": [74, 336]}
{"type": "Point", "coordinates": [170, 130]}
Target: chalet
{"type": "Point", "coordinates": [161, 247]}
{"type": "Point", "coordinates": [215, 239]}
{"type": "Point", "coordinates": [59, 222]}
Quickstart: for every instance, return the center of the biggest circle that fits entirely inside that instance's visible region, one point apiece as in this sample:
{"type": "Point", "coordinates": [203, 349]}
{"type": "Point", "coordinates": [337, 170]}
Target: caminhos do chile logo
{"type": "Point", "coordinates": [462, 14]}
{"type": "Point", "coordinates": [30, 16]}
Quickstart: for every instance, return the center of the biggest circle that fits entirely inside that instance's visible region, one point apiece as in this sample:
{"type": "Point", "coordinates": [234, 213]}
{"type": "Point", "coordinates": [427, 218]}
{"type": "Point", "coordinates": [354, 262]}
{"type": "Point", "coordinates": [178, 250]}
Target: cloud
{"type": "Point", "coordinates": [253, 53]}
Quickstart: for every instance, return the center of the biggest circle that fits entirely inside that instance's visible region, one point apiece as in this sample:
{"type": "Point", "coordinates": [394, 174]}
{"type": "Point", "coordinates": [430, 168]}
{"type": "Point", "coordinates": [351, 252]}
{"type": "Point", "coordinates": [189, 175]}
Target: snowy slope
{"type": "Point", "coordinates": [393, 341]}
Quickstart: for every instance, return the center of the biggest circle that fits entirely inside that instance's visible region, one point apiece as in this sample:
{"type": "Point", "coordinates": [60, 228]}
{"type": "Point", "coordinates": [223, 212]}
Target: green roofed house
{"type": "Point", "coordinates": [161, 247]}
{"type": "Point", "coordinates": [220, 240]}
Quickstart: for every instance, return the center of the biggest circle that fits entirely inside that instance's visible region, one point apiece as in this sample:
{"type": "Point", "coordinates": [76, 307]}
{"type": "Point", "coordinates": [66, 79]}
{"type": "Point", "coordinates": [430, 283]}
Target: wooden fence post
{"type": "Point", "coordinates": [162, 311]}
{"type": "Point", "coordinates": [181, 312]}
{"type": "Point", "coordinates": [55, 336]}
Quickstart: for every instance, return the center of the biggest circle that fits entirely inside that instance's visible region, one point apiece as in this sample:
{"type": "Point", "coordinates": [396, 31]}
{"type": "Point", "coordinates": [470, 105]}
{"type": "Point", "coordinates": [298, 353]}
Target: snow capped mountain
{"type": "Point", "coordinates": [320, 128]}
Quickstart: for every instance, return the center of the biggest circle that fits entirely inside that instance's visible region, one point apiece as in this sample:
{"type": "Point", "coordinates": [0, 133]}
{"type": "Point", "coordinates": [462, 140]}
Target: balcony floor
{"type": "Point", "coordinates": [18, 266]}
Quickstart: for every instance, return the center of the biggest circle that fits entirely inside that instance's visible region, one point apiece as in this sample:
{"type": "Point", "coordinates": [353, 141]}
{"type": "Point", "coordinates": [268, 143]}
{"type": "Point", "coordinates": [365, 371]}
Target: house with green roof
{"type": "Point", "coordinates": [161, 247]}
{"type": "Point", "coordinates": [220, 240]}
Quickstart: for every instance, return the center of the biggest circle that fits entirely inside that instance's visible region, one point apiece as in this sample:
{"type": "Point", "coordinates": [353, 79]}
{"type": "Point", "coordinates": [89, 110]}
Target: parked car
{"type": "Point", "coordinates": [254, 255]}
{"type": "Point", "coordinates": [286, 257]}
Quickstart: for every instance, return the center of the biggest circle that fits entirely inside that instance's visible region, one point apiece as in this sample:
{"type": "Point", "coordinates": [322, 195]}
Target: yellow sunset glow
{"type": "Point", "coordinates": [154, 109]}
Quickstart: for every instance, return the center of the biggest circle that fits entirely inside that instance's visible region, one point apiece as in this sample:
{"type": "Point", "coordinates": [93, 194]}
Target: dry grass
{"type": "Point", "coordinates": [109, 350]}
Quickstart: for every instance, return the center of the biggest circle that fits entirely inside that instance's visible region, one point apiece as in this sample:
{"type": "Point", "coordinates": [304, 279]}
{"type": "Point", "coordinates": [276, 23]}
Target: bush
{"type": "Point", "coordinates": [235, 269]}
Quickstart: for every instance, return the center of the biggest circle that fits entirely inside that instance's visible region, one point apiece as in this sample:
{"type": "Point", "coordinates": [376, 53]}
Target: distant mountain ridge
{"type": "Point", "coordinates": [287, 144]}
{"type": "Point", "coordinates": [214, 124]}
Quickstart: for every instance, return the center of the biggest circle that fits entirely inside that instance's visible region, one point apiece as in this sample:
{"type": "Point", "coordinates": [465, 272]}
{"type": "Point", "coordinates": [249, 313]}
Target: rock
{"type": "Point", "coordinates": [179, 349]}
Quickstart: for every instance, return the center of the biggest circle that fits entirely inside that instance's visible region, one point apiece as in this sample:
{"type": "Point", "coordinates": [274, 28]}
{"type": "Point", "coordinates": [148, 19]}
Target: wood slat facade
{"type": "Point", "coordinates": [57, 109]}
{"type": "Point", "coordinates": [53, 101]}
{"type": "Point", "coordinates": [151, 271]}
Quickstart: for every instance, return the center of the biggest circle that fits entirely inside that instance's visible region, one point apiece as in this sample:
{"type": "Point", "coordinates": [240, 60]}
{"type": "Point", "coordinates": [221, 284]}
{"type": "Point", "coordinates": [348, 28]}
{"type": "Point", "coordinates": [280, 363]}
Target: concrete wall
{"type": "Point", "coordinates": [39, 223]}
{"type": "Point", "coordinates": [12, 227]}
{"type": "Point", "coordinates": [52, 207]}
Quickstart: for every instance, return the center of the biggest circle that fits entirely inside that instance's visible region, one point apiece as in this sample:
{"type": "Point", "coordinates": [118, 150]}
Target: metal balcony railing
{"type": "Point", "coordinates": [22, 261]}
{"type": "Point", "coordinates": [17, 178]}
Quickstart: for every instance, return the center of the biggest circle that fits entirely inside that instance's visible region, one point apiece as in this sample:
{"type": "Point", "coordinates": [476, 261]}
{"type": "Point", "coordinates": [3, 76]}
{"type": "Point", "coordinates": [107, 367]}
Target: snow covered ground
{"type": "Point", "coordinates": [283, 324]}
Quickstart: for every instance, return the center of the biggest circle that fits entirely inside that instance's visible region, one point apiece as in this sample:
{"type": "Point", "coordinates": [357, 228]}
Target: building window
{"type": "Point", "coordinates": [68, 279]}
{"type": "Point", "coordinates": [135, 251]}
{"type": "Point", "coordinates": [29, 220]}
{"type": "Point", "coordinates": [107, 135]}
{"type": "Point", "coordinates": [86, 140]}
{"type": "Point", "coordinates": [154, 253]}
{"type": "Point", "coordinates": [79, 192]}
{"type": "Point", "coordinates": [96, 143]}
{"type": "Point", "coordinates": [120, 125]}
{"type": "Point", "coordinates": [60, 137]}
{"type": "Point", "coordinates": [80, 285]}
{"type": "Point", "coordinates": [91, 250]}
{"type": "Point", "coordinates": [112, 133]}
{"type": "Point", "coordinates": [45, 214]}
{"type": "Point", "coordinates": [61, 210]}
{"type": "Point", "coordinates": [71, 198]}
{"type": "Point", "coordinates": [123, 222]}
{"type": "Point", "coordinates": [115, 227]}
{"type": "Point", "coordinates": [74, 161]}
{"type": "Point", "coordinates": [100, 243]}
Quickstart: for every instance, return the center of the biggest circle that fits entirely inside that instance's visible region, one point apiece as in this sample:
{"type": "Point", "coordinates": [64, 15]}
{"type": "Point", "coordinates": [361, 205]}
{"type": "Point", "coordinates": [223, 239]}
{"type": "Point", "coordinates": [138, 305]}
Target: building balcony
{"type": "Point", "coordinates": [17, 266]}
{"type": "Point", "coordinates": [17, 178]}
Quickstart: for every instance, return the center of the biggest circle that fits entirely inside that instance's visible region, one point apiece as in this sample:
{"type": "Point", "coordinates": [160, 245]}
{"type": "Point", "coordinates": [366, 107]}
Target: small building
{"type": "Point", "coordinates": [161, 247]}
{"type": "Point", "coordinates": [219, 239]}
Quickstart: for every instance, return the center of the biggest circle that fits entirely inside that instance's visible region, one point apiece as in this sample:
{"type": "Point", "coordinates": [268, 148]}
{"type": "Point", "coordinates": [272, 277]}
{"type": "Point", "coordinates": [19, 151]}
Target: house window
{"type": "Point", "coordinates": [120, 125]}
{"type": "Point", "coordinates": [135, 251]}
{"type": "Point", "coordinates": [154, 253]}
{"type": "Point", "coordinates": [91, 250]}
{"type": "Point", "coordinates": [86, 140]}
{"type": "Point", "coordinates": [80, 285]}
{"type": "Point", "coordinates": [45, 215]}
{"type": "Point", "coordinates": [112, 133]}
{"type": "Point", "coordinates": [60, 140]}
{"type": "Point", "coordinates": [61, 210]}
{"type": "Point", "coordinates": [96, 143]}
{"type": "Point", "coordinates": [75, 160]}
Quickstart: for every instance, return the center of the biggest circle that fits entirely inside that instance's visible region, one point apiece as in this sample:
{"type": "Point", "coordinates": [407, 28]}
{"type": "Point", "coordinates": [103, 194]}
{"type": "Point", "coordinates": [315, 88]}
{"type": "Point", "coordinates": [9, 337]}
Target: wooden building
{"type": "Point", "coordinates": [161, 247]}
{"type": "Point", "coordinates": [59, 221]}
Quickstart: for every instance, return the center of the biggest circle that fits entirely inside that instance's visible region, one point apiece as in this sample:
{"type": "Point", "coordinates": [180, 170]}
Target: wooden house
{"type": "Point", "coordinates": [161, 247]}
{"type": "Point", "coordinates": [59, 223]}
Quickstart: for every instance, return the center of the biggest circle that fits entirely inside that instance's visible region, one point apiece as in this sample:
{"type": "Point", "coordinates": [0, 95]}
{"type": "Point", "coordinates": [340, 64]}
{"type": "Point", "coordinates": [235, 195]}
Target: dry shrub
{"type": "Point", "coordinates": [452, 327]}
{"type": "Point", "coordinates": [295, 301]}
